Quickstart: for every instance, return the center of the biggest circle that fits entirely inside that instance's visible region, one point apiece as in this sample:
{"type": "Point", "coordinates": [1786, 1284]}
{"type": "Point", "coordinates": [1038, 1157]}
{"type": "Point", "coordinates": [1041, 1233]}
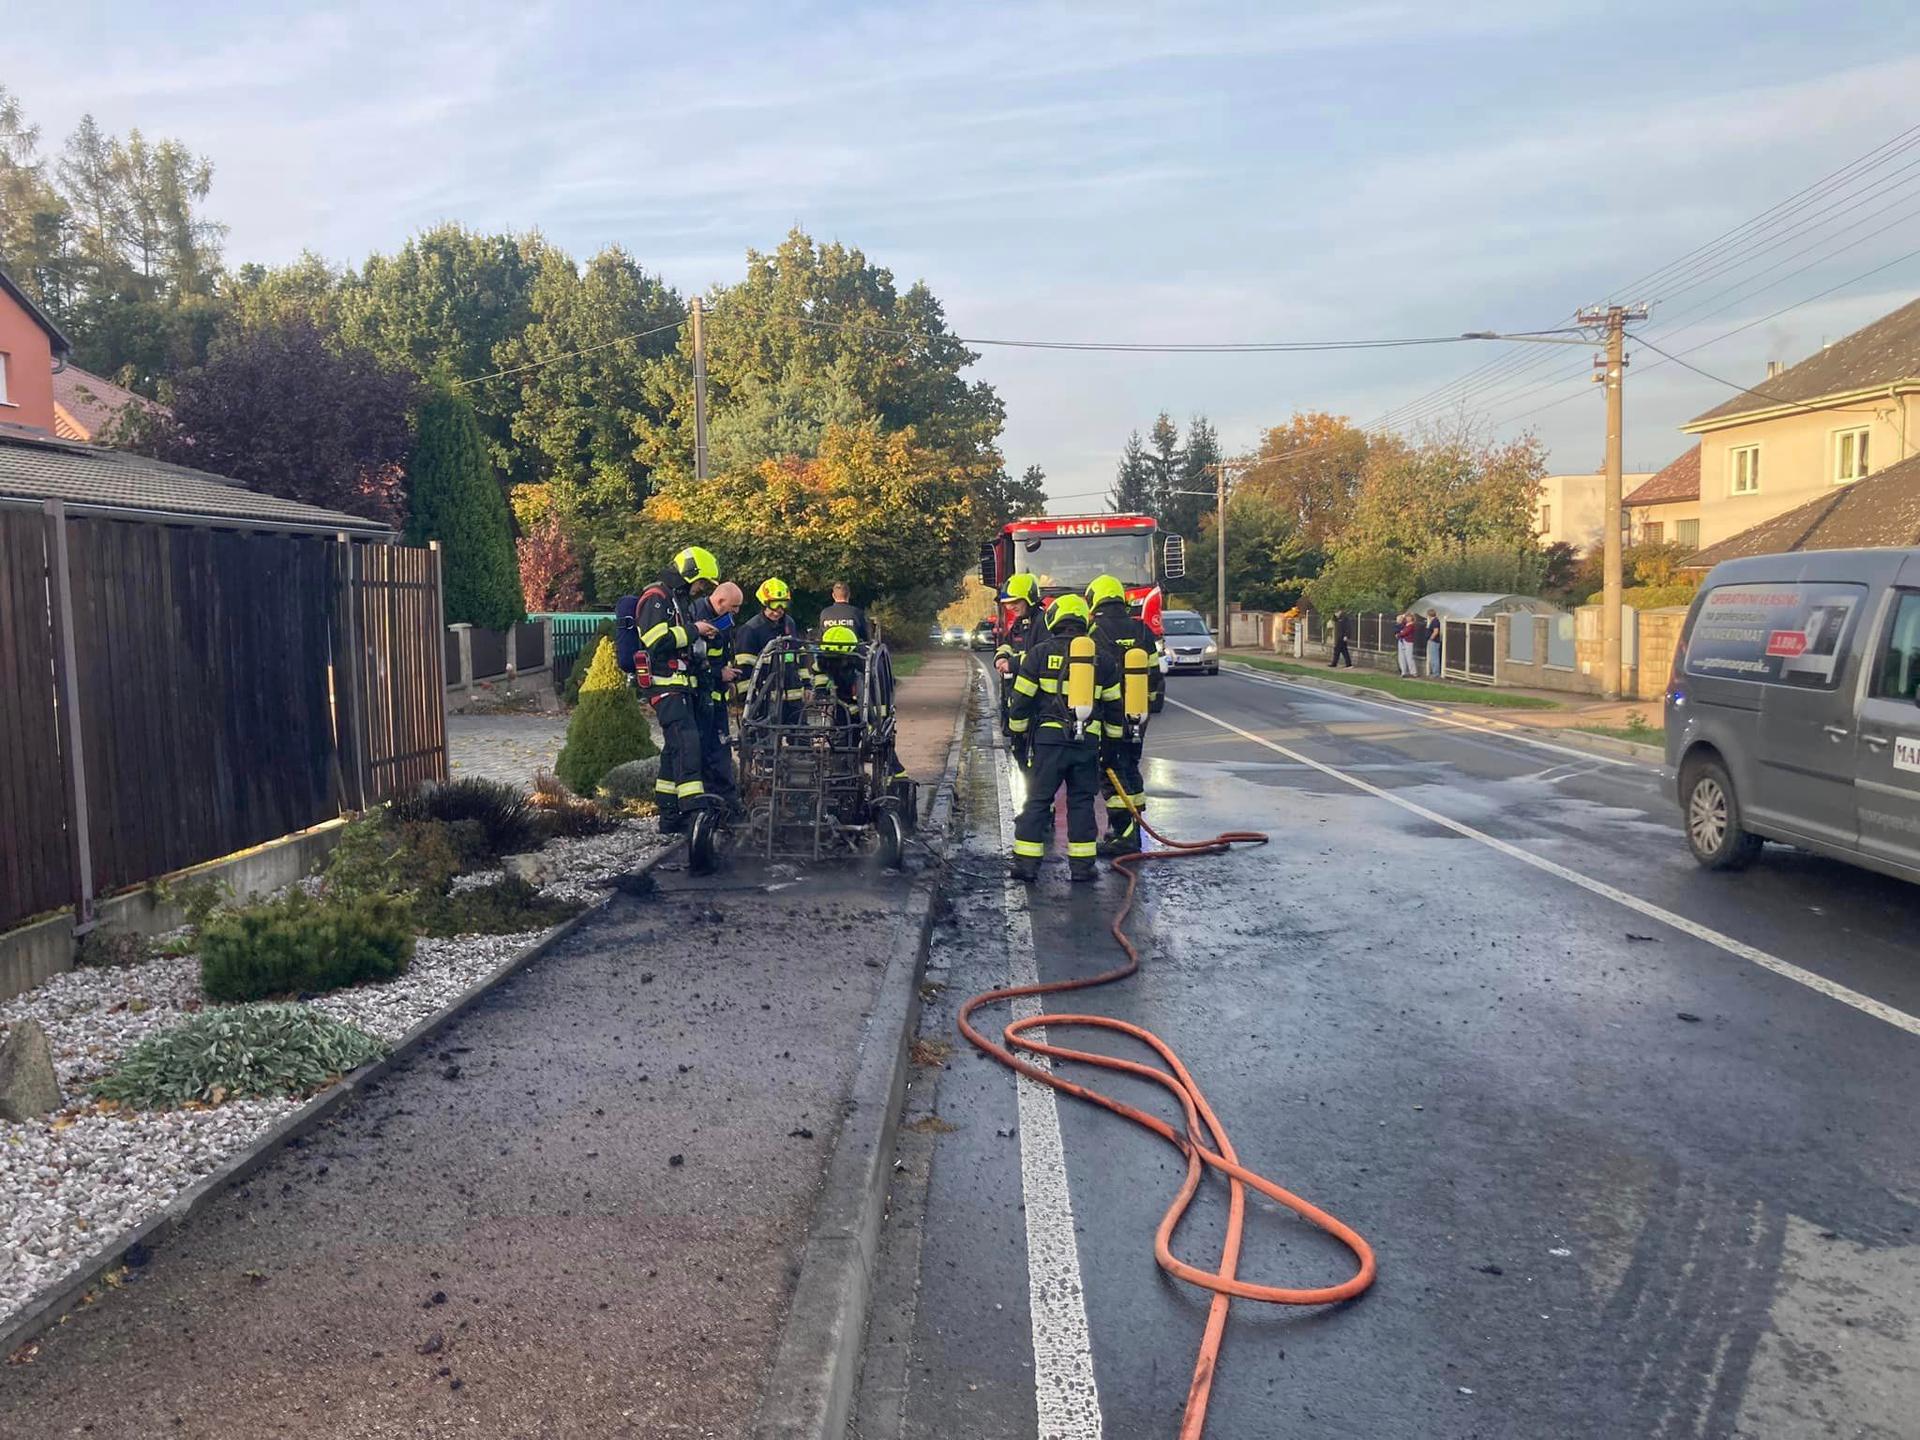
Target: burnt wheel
{"type": "Point", "coordinates": [703, 843]}
{"type": "Point", "coordinates": [893, 839]}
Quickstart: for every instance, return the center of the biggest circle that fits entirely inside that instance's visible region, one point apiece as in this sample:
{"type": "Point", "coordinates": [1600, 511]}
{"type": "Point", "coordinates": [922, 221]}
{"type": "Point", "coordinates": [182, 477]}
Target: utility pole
{"type": "Point", "coordinates": [1611, 371]}
{"type": "Point", "coordinates": [1220, 538]}
{"type": "Point", "coordinates": [699, 396]}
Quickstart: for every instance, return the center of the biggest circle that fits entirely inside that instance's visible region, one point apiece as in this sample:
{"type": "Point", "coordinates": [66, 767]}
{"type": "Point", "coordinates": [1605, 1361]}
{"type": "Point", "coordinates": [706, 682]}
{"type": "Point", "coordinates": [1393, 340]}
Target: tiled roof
{"type": "Point", "coordinates": [84, 403]}
{"type": "Point", "coordinates": [1680, 480]}
{"type": "Point", "coordinates": [41, 468]}
{"type": "Point", "coordinates": [1881, 510]}
{"type": "Point", "coordinates": [1884, 352]}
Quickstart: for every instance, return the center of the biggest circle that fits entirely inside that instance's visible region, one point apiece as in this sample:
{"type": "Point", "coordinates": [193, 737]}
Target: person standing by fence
{"type": "Point", "coordinates": [1408, 630]}
{"type": "Point", "coordinates": [1341, 627]}
{"type": "Point", "coordinates": [1434, 631]}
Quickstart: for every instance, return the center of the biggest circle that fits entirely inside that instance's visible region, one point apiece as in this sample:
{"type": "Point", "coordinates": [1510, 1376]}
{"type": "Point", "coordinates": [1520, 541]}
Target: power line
{"type": "Point", "coordinates": [1743, 389]}
{"type": "Point", "coordinates": [569, 354]}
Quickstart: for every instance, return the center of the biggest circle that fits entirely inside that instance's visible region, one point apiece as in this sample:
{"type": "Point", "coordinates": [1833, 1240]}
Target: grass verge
{"type": "Point", "coordinates": [1638, 734]}
{"type": "Point", "coordinates": [906, 664]}
{"type": "Point", "coordinates": [1437, 691]}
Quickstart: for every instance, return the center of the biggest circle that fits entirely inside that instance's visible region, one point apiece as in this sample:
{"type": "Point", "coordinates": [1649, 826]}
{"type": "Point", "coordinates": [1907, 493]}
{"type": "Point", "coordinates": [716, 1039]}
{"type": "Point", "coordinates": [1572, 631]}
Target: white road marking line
{"type": "Point", "coordinates": [1063, 1387]}
{"type": "Point", "coordinates": [1427, 716]}
{"type": "Point", "coordinates": [1865, 1004]}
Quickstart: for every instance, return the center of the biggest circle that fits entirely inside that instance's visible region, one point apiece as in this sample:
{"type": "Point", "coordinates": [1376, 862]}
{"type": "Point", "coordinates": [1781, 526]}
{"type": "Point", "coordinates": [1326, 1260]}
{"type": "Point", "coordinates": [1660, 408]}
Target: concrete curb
{"type": "Point", "coordinates": [51, 1309]}
{"type": "Point", "coordinates": [1560, 734]}
{"type": "Point", "coordinates": [809, 1393]}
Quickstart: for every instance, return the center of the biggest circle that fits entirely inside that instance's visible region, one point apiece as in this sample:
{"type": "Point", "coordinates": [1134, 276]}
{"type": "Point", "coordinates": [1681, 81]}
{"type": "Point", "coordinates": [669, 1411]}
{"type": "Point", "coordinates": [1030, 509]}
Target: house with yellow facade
{"type": "Point", "coordinates": [1572, 508]}
{"type": "Point", "coordinates": [1843, 413]}
{"type": "Point", "coordinates": [1665, 510]}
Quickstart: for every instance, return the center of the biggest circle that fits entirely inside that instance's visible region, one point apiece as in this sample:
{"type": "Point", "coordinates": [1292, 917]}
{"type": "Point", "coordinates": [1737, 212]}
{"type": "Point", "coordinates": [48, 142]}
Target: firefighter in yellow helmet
{"type": "Point", "coordinates": [673, 643]}
{"type": "Point", "coordinates": [1066, 700]}
{"type": "Point", "coordinates": [843, 674]}
{"type": "Point", "coordinates": [1021, 626]}
{"type": "Point", "coordinates": [1118, 629]}
{"type": "Point", "coordinates": [772, 623]}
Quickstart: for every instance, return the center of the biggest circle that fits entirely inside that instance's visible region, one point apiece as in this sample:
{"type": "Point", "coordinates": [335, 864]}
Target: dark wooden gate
{"type": "Point", "coordinates": [390, 670]}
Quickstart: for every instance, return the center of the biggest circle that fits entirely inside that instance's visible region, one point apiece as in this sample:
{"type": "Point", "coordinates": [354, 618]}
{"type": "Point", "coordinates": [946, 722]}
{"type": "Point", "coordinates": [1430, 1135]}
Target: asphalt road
{"type": "Point", "coordinates": [1624, 1176]}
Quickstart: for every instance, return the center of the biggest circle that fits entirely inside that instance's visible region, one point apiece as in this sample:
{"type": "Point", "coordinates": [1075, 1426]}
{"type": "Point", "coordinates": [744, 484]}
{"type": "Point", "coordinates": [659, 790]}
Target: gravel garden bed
{"type": "Point", "coordinates": [72, 1182]}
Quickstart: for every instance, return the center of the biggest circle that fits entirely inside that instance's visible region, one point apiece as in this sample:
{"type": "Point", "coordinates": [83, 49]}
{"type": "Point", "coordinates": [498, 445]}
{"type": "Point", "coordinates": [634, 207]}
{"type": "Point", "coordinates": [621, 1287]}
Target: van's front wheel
{"type": "Point", "coordinates": [1714, 832]}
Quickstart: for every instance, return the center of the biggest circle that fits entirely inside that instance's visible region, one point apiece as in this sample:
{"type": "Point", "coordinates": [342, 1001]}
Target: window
{"type": "Point", "coordinates": [4, 357]}
{"type": "Point", "coordinates": [1687, 533]}
{"type": "Point", "coordinates": [1546, 519]}
{"type": "Point", "coordinates": [1744, 465]}
{"type": "Point", "coordinates": [1899, 677]}
{"type": "Point", "coordinates": [1849, 455]}
{"type": "Point", "coordinates": [1653, 532]}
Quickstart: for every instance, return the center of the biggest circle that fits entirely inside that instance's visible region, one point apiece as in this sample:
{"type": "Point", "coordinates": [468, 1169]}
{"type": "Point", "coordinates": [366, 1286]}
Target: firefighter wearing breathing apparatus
{"type": "Point", "coordinates": [843, 676]}
{"type": "Point", "coordinates": [713, 685]}
{"type": "Point", "coordinates": [1021, 594]}
{"type": "Point", "coordinates": [1136, 651]}
{"type": "Point", "coordinates": [1066, 701]}
{"type": "Point", "coordinates": [672, 647]}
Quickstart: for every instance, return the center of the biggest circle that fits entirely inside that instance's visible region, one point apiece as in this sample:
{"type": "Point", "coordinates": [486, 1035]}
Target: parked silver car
{"type": "Point", "coordinates": [1793, 709]}
{"type": "Point", "coordinates": [1188, 643]}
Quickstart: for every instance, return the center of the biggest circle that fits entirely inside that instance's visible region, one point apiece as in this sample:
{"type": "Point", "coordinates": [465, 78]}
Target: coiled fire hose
{"type": "Point", "coordinates": [1204, 1140]}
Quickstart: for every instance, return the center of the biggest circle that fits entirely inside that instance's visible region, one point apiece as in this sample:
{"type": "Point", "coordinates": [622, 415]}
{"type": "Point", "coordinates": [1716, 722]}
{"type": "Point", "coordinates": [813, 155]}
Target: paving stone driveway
{"type": "Point", "coordinates": [512, 748]}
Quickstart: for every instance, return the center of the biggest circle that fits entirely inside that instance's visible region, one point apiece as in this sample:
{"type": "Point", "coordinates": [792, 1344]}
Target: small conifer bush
{"type": "Point", "coordinates": [297, 945]}
{"type": "Point", "coordinates": [609, 726]}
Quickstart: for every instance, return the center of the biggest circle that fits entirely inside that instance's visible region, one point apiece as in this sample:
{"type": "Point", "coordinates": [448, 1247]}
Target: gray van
{"type": "Point", "coordinates": [1793, 709]}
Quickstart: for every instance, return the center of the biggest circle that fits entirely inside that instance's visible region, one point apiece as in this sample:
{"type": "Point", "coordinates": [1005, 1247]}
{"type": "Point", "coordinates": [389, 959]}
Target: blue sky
{"type": "Point", "coordinates": [1112, 172]}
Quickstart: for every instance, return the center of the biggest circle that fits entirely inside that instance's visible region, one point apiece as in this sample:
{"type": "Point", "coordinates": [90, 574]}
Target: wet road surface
{"type": "Point", "coordinates": [1622, 1180]}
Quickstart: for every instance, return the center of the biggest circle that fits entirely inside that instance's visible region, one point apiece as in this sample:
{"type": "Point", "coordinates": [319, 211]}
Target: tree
{"type": "Point", "coordinates": [1453, 489]}
{"type": "Point", "coordinates": [1560, 568]}
{"type": "Point", "coordinates": [875, 505]}
{"type": "Point", "coordinates": [1132, 492]}
{"type": "Point", "coordinates": [592, 391]}
{"type": "Point", "coordinates": [454, 497]}
{"type": "Point", "coordinates": [1165, 463]}
{"type": "Point", "coordinates": [34, 224]}
{"type": "Point", "coordinates": [549, 570]}
{"type": "Point", "coordinates": [1186, 503]}
{"type": "Point", "coordinates": [1004, 498]}
{"type": "Point", "coordinates": [284, 413]}
{"type": "Point", "coordinates": [1313, 466]}
{"type": "Point", "coordinates": [309, 288]}
{"type": "Point", "coordinates": [1483, 569]}
{"type": "Point", "coordinates": [440, 307]}
{"type": "Point", "coordinates": [1268, 562]}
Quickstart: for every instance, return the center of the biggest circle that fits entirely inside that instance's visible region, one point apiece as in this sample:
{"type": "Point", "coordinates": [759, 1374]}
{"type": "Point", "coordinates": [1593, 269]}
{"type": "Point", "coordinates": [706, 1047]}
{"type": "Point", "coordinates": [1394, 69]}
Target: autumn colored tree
{"type": "Point", "coordinates": [1313, 467]}
{"type": "Point", "coordinates": [1269, 563]}
{"type": "Point", "coordinates": [284, 412]}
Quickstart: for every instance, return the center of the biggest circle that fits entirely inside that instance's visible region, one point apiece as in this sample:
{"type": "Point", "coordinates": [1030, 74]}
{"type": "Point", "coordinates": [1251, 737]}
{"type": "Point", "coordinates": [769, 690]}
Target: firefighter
{"type": "Point", "coordinates": [843, 674]}
{"type": "Point", "coordinates": [1118, 629]}
{"type": "Point", "coordinates": [1021, 595]}
{"type": "Point", "coordinates": [715, 676]}
{"type": "Point", "coordinates": [772, 623]}
{"type": "Point", "coordinates": [673, 643]}
{"type": "Point", "coordinates": [1066, 700]}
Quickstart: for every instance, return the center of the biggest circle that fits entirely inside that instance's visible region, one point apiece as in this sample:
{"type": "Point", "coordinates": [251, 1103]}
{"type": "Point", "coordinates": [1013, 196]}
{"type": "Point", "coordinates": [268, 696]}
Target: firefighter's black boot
{"type": "Point", "coordinates": [1081, 868]}
{"type": "Point", "coordinates": [1026, 868]}
{"type": "Point", "coordinates": [1121, 842]}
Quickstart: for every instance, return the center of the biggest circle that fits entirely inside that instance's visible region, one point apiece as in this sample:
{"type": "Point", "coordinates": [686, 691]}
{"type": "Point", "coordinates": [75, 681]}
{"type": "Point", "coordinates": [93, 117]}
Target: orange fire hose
{"type": "Point", "coordinates": [1204, 1148]}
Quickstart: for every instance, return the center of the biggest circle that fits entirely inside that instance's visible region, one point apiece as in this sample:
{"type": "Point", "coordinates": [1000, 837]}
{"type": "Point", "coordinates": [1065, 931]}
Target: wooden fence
{"type": "Point", "coordinates": [170, 695]}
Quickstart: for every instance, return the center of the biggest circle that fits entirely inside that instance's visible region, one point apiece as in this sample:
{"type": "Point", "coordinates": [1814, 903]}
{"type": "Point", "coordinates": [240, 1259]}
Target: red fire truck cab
{"type": "Point", "coordinates": [1065, 552]}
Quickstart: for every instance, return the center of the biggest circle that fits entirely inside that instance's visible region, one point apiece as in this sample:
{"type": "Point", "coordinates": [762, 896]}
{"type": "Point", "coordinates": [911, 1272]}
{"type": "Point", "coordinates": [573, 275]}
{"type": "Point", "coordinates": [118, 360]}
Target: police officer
{"type": "Point", "coordinates": [1118, 629]}
{"type": "Point", "coordinates": [772, 623]}
{"type": "Point", "coordinates": [714, 676]}
{"type": "Point", "coordinates": [674, 642]}
{"type": "Point", "coordinates": [844, 612]}
{"type": "Point", "coordinates": [1021, 596]}
{"type": "Point", "coordinates": [1066, 748]}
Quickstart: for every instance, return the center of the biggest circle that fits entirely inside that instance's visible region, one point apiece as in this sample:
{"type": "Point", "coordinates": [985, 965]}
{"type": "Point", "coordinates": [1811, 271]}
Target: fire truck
{"type": "Point", "coordinates": [1065, 552]}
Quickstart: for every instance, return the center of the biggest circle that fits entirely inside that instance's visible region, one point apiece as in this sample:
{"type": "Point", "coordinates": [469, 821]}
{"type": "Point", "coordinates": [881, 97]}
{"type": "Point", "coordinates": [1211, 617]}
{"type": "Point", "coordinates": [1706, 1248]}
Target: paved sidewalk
{"type": "Point", "coordinates": [509, 748]}
{"type": "Point", "coordinates": [927, 702]}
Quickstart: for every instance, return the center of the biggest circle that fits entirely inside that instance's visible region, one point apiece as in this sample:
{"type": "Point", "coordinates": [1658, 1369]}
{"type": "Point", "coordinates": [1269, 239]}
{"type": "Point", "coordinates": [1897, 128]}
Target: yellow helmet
{"type": "Point", "coordinates": [693, 563]}
{"type": "Point", "coordinates": [1066, 607]}
{"type": "Point", "coordinates": [838, 640]}
{"type": "Point", "coordinates": [1022, 587]}
{"type": "Point", "coordinates": [773, 591]}
{"type": "Point", "coordinates": [1103, 589]}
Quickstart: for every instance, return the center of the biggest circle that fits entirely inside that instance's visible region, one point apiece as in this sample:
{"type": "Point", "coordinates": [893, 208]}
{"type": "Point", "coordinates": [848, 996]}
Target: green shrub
{"type": "Point", "coordinates": [105, 948]}
{"type": "Point", "coordinates": [1651, 597]}
{"type": "Point", "coordinates": [506, 907]}
{"type": "Point", "coordinates": [500, 810]}
{"type": "Point", "coordinates": [378, 856]}
{"type": "Point", "coordinates": [196, 899]}
{"type": "Point", "coordinates": [235, 1053]}
{"type": "Point", "coordinates": [297, 945]}
{"type": "Point", "coordinates": [583, 662]}
{"type": "Point", "coordinates": [633, 781]}
{"type": "Point", "coordinates": [608, 727]}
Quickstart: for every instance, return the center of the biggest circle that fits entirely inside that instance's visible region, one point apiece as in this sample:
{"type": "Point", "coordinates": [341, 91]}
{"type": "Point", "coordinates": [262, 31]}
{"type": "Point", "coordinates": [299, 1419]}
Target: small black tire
{"type": "Point", "coordinates": [1213, 670]}
{"type": "Point", "coordinates": [893, 839]}
{"type": "Point", "coordinates": [1710, 812]}
{"type": "Point", "coordinates": [703, 843]}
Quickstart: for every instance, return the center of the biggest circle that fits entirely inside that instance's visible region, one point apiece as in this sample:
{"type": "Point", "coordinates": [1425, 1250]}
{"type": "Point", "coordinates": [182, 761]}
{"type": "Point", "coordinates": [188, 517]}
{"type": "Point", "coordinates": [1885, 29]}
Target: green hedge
{"type": "Point", "coordinates": [297, 945]}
